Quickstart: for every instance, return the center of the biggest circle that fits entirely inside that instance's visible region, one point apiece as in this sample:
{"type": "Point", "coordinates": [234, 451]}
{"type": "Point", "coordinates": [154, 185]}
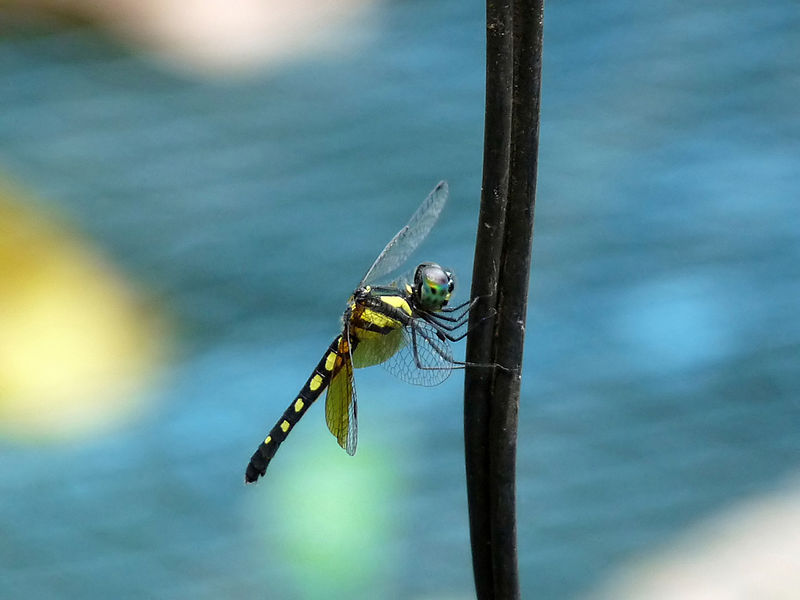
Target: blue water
{"type": "Point", "coordinates": [661, 366]}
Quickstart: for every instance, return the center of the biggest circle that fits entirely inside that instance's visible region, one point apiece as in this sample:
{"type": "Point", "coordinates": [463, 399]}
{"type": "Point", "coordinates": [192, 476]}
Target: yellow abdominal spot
{"type": "Point", "coordinates": [298, 406]}
{"type": "Point", "coordinates": [330, 361]}
{"type": "Point", "coordinates": [315, 382]}
{"type": "Point", "coordinates": [285, 426]}
{"type": "Point", "coordinates": [268, 440]}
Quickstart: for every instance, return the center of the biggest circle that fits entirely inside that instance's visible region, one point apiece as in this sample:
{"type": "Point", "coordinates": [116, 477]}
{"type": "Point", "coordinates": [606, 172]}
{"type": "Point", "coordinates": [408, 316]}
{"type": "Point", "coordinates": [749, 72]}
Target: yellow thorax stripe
{"type": "Point", "coordinates": [378, 320]}
{"type": "Point", "coordinates": [397, 302]}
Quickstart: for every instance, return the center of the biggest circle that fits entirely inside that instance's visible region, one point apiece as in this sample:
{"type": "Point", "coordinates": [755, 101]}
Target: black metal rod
{"type": "Point", "coordinates": [486, 273]}
{"type": "Point", "coordinates": [500, 278]}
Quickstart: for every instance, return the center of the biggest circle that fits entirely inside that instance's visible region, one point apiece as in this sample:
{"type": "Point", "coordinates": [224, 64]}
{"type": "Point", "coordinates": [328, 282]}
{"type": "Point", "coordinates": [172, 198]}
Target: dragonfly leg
{"type": "Point", "coordinates": [452, 363]}
{"type": "Point", "coordinates": [449, 326]}
{"type": "Point", "coordinates": [468, 304]}
{"type": "Point", "coordinates": [449, 323]}
{"type": "Point", "coordinates": [453, 323]}
{"type": "Point", "coordinates": [435, 347]}
{"type": "Point", "coordinates": [445, 331]}
{"type": "Point", "coordinates": [464, 308]}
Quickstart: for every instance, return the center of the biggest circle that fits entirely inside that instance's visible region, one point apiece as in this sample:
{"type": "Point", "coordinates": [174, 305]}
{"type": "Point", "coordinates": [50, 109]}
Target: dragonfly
{"type": "Point", "coordinates": [406, 326]}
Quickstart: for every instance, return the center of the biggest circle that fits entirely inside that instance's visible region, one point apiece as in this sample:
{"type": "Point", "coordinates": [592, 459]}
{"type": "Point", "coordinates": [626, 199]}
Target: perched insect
{"type": "Point", "coordinates": [406, 327]}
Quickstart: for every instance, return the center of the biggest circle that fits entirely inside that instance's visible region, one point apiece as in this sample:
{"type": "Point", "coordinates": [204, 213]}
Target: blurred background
{"type": "Point", "coordinates": [189, 191]}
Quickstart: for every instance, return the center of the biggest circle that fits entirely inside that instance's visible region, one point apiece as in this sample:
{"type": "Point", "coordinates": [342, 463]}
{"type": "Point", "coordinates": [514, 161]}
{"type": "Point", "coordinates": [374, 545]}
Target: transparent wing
{"type": "Point", "coordinates": [424, 358]}
{"type": "Point", "coordinates": [403, 244]}
{"type": "Point", "coordinates": [341, 411]}
{"type": "Point", "coordinates": [376, 350]}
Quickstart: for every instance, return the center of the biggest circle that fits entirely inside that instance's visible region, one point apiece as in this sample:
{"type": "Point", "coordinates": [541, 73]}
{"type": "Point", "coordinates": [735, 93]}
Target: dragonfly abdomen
{"type": "Point", "coordinates": [312, 390]}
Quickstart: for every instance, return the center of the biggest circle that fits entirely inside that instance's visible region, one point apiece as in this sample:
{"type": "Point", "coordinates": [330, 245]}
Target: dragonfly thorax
{"type": "Point", "coordinates": [432, 287]}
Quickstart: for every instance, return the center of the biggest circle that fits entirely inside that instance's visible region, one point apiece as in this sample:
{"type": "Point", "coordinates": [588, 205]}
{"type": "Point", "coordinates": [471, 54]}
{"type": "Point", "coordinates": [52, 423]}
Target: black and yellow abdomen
{"type": "Point", "coordinates": [325, 370]}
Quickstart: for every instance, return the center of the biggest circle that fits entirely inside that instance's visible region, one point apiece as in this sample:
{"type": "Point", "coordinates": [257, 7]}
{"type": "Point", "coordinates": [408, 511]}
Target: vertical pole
{"type": "Point", "coordinates": [500, 277]}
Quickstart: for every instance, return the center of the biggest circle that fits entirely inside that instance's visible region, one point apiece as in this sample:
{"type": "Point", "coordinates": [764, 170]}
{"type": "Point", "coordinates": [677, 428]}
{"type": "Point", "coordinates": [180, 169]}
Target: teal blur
{"type": "Point", "coordinates": [660, 381]}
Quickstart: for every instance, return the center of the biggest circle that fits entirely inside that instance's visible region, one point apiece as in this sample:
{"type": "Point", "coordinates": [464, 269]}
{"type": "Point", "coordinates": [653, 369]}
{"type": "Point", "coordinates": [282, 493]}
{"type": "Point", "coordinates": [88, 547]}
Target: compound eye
{"type": "Point", "coordinates": [434, 287]}
{"type": "Point", "coordinates": [436, 276]}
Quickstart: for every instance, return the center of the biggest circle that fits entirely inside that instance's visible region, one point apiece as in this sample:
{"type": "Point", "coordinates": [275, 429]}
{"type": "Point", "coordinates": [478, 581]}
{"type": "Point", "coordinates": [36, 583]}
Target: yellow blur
{"type": "Point", "coordinates": [75, 346]}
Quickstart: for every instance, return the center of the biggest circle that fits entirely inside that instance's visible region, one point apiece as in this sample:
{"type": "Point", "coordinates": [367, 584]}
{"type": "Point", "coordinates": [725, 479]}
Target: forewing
{"type": "Point", "coordinates": [341, 411]}
{"type": "Point", "coordinates": [424, 359]}
{"type": "Point", "coordinates": [403, 244]}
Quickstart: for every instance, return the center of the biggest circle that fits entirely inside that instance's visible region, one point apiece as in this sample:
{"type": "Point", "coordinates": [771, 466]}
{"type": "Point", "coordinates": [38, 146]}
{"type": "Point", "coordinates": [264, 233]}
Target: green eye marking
{"type": "Point", "coordinates": [403, 326]}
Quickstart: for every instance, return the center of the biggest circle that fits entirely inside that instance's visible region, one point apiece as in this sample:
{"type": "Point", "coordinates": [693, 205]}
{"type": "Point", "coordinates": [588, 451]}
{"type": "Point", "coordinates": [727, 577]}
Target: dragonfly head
{"type": "Point", "coordinates": [433, 286]}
